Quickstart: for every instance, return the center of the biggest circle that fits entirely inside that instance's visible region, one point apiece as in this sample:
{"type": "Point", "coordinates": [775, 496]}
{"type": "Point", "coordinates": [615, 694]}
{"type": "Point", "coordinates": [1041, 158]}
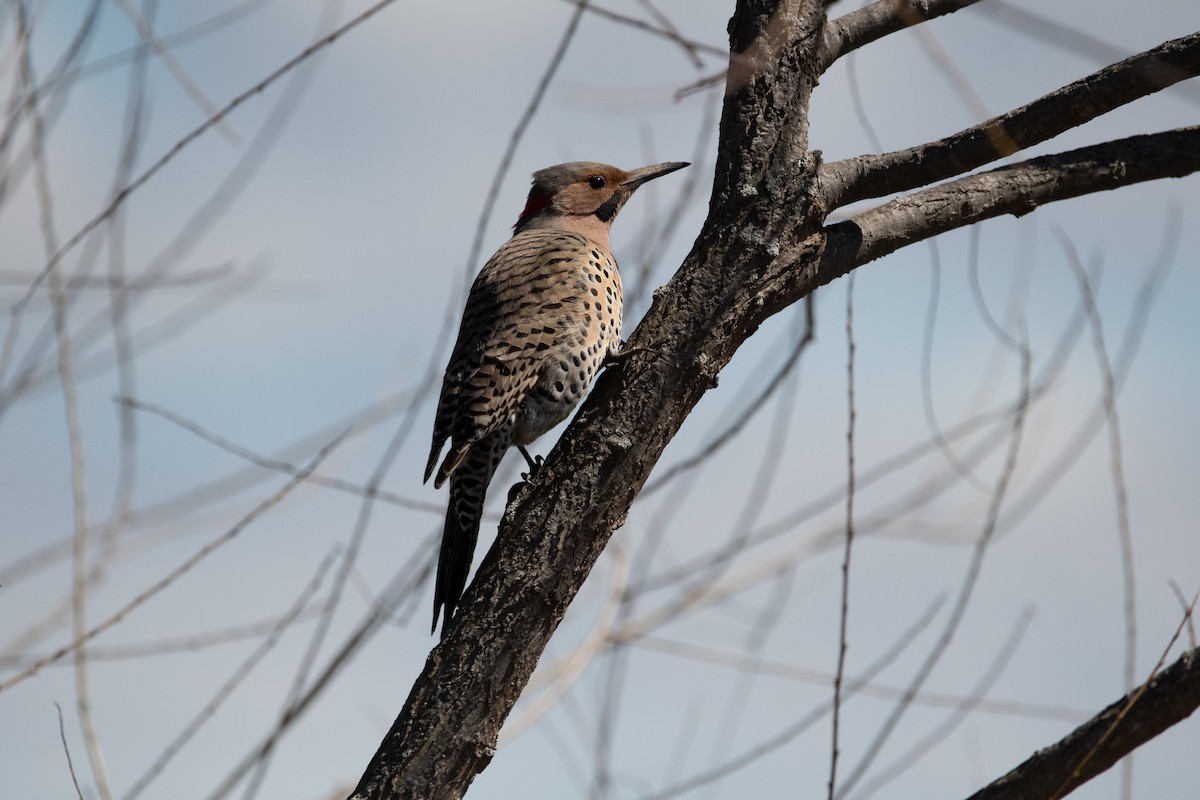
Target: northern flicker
{"type": "Point", "coordinates": [542, 316]}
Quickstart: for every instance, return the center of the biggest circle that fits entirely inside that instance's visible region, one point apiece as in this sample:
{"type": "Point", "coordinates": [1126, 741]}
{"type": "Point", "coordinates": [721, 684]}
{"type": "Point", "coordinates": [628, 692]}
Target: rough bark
{"type": "Point", "coordinates": [762, 248]}
{"type": "Point", "coordinates": [1055, 771]}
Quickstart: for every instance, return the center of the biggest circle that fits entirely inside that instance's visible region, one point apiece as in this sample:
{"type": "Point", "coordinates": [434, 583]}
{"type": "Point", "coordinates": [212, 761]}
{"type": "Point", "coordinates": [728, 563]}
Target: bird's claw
{"type": "Point", "coordinates": [617, 357]}
{"type": "Point", "coordinates": [535, 467]}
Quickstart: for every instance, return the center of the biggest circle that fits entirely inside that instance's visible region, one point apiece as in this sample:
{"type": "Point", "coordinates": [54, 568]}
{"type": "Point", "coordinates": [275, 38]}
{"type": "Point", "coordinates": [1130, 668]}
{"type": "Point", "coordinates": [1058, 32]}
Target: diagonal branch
{"type": "Point", "coordinates": [882, 18]}
{"type": "Point", "coordinates": [1167, 698]}
{"type": "Point", "coordinates": [1016, 190]}
{"type": "Point", "coordinates": [1079, 102]}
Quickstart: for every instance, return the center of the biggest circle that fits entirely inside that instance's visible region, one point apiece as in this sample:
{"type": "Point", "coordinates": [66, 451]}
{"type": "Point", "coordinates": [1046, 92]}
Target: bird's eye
{"type": "Point", "coordinates": [597, 182]}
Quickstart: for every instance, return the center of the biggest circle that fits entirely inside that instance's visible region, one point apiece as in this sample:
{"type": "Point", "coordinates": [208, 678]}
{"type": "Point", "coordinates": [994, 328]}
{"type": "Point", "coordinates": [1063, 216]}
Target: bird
{"type": "Point", "coordinates": [542, 316]}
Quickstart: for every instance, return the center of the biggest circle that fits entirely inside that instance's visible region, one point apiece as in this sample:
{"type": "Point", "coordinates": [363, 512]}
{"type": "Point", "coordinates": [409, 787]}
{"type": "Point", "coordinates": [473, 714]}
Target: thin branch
{"type": "Point", "coordinates": [860, 108]}
{"type": "Point", "coordinates": [936, 433]}
{"type": "Point", "coordinates": [411, 575]}
{"type": "Point", "coordinates": [690, 47]}
{"type": "Point", "coordinates": [276, 464]}
{"type": "Point", "coordinates": [71, 74]}
{"type": "Point", "coordinates": [74, 417]}
{"type": "Point", "coordinates": [518, 132]}
{"type": "Point", "coordinates": [177, 644]}
{"type": "Point", "coordinates": [76, 283]}
{"type": "Point", "coordinates": [921, 748]}
{"type": "Point", "coordinates": [867, 176]}
{"type": "Point", "coordinates": [1121, 494]}
{"type": "Point", "coordinates": [190, 87]}
{"type": "Point", "coordinates": [788, 734]}
{"type": "Point", "coordinates": [966, 589]}
{"type": "Point", "coordinates": [176, 573]}
{"type": "Point", "coordinates": [1183, 605]}
{"type": "Point", "coordinates": [740, 421]}
{"type": "Point", "coordinates": [196, 133]}
{"type": "Point", "coordinates": [843, 624]}
{"type": "Point", "coordinates": [233, 681]}
{"type": "Point", "coordinates": [783, 671]}
{"type": "Point", "coordinates": [62, 734]}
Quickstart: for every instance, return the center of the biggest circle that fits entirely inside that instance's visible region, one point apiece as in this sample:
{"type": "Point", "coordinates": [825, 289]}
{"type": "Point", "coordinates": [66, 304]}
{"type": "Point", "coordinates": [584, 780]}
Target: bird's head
{"type": "Point", "coordinates": [583, 193]}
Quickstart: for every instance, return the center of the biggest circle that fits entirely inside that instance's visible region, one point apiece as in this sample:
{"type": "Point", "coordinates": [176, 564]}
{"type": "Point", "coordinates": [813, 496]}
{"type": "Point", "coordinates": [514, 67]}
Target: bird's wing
{"type": "Point", "coordinates": [516, 312]}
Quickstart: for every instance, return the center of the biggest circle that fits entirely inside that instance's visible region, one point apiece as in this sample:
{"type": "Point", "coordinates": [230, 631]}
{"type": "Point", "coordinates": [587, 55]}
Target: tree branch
{"type": "Point", "coordinates": [867, 176]}
{"type": "Point", "coordinates": [1016, 189]}
{"type": "Point", "coordinates": [882, 18]}
{"type": "Point", "coordinates": [1168, 698]}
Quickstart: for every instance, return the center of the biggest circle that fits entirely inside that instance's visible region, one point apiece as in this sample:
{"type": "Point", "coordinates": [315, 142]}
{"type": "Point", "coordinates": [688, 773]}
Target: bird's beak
{"type": "Point", "coordinates": [639, 176]}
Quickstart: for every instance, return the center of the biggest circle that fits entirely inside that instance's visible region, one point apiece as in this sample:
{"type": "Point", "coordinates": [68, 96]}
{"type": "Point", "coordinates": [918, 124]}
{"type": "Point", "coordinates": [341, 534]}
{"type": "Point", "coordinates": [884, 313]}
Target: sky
{"type": "Point", "coordinates": [330, 228]}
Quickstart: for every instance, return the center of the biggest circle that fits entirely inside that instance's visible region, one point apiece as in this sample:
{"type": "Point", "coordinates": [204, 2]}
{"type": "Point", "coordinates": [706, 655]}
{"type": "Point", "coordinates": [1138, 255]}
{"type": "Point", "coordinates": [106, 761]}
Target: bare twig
{"type": "Point", "coordinates": [176, 573]}
{"type": "Point", "coordinates": [276, 464]}
{"type": "Point", "coordinates": [74, 421]}
{"type": "Point", "coordinates": [691, 48]}
{"type": "Point", "coordinates": [807, 721]}
{"type": "Point", "coordinates": [923, 746]}
{"type": "Point", "coordinates": [518, 133]}
{"type": "Point", "coordinates": [190, 87]}
{"type": "Point", "coordinates": [860, 108]}
{"type": "Point", "coordinates": [1120, 493]}
{"type": "Point", "coordinates": [1049, 476]}
{"type": "Point", "coordinates": [966, 589]}
{"type": "Point", "coordinates": [178, 644]}
{"type": "Point", "coordinates": [935, 429]}
{"type": "Point", "coordinates": [412, 575]}
{"type": "Point", "coordinates": [211, 122]}
{"type": "Point", "coordinates": [240, 674]}
{"type": "Point", "coordinates": [711, 656]}
{"type": "Point", "coordinates": [844, 618]}
{"type": "Point", "coordinates": [1191, 619]}
{"type": "Point", "coordinates": [62, 734]}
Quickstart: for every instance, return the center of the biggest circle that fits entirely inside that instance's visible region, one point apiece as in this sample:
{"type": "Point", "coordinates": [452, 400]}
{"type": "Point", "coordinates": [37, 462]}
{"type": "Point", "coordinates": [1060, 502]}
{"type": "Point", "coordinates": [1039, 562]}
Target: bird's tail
{"type": "Point", "coordinates": [468, 488]}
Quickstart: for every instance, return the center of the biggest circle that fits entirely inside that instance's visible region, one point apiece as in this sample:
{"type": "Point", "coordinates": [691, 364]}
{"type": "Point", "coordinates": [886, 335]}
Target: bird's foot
{"type": "Point", "coordinates": [535, 465]}
{"type": "Point", "coordinates": [619, 357]}
{"type": "Point", "coordinates": [534, 462]}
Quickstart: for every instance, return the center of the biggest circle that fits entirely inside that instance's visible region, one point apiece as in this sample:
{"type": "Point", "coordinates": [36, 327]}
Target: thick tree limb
{"type": "Point", "coordinates": [1170, 697]}
{"type": "Point", "coordinates": [882, 18]}
{"type": "Point", "coordinates": [867, 176]}
{"type": "Point", "coordinates": [1016, 189]}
